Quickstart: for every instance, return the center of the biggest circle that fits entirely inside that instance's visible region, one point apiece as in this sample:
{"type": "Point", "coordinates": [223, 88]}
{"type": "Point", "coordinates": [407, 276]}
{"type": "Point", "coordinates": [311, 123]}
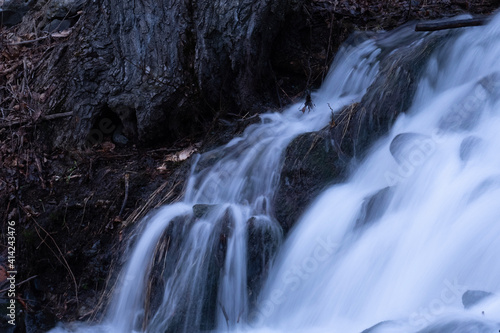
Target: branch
{"type": "Point", "coordinates": [47, 117]}
{"type": "Point", "coordinates": [20, 283]}
{"type": "Point", "coordinates": [127, 176]}
{"type": "Point", "coordinates": [29, 41]}
{"type": "Point", "coordinates": [434, 26]}
{"type": "Point", "coordinates": [57, 115]}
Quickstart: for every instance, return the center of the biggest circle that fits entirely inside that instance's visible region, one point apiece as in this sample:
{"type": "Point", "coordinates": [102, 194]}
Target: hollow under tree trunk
{"type": "Point", "coordinates": [163, 67]}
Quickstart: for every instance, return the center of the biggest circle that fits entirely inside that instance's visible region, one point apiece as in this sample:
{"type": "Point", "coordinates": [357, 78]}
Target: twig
{"type": "Point", "coordinates": [141, 210]}
{"type": "Point", "coordinates": [168, 195]}
{"type": "Point", "coordinates": [85, 206]}
{"type": "Point", "coordinates": [57, 115]}
{"type": "Point", "coordinates": [47, 117]}
{"type": "Point", "coordinates": [63, 261]}
{"type": "Point", "coordinates": [224, 313]}
{"type": "Point", "coordinates": [29, 41]}
{"type": "Point", "coordinates": [20, 283]}
{"type": "Point", "coordinates": [127, 177]}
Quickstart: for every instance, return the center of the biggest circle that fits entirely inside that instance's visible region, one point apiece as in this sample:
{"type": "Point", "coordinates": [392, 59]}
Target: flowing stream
{"type": "Point", "coordinates": [395, 247]}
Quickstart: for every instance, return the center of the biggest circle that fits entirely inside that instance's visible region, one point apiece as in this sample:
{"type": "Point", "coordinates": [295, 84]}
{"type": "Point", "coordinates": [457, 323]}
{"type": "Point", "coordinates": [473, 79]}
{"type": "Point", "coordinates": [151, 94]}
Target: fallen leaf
{"type": "Point", "coordinates": [181, 155]}
{"type": "Point", "coordinates": [61, 34]}
{"type": "Point", "coordinates": [108, 146]}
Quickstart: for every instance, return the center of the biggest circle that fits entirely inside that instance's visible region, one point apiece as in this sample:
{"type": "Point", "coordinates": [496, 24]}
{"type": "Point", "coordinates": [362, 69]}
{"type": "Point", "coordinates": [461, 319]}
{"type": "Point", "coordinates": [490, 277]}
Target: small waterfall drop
{"type": "Point", "coordinates": [393, 248]}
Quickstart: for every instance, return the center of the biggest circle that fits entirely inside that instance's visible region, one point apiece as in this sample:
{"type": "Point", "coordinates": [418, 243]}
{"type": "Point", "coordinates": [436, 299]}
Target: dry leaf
{"type": "Point", "coordinates": [61, 34]}
{"type": "Point", "coordinates": [108, 146]}
{"type": "Point", "coordinates": [181, 155]}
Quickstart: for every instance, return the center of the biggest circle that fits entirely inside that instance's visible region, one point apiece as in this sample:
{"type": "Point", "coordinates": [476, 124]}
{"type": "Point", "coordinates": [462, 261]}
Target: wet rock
{"type": "Point", "coordinates": [467, 147]}
{"type": "Point", "coordinates": [316, 160]}
{"type": "Point", "coordinates": [200, 210]}
{"type": "Point", "coordinates": [384, 326]}
{"type": "Point", "coordinates": [489, 184]}
{"type": "Point", "coordinates": [458, 326]}
{"type": "Point", "coordinates": [263, 239]}
{"type": "Point", "coordinates": [472, 297]}
{"type": "Point", "coordinates": [391, 93]}
{"type": "Point", "coordinates": [169, 266]}
{"type": "Point", "coordinates": [374, 207]}
{"type": "Point", "coordinates": [406, 147]}
{"type": "Point", "coordinates": [310, 164]}
{"type": "Point", "coordinates": [465, 115]}
{"type": "Point", "coordinates": [491, 84]}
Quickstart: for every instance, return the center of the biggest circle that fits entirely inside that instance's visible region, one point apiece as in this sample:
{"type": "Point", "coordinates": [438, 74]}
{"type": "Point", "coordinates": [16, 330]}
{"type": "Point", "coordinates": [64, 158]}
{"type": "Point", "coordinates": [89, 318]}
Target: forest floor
{"type": "Point", "coordinates": [73, 209]}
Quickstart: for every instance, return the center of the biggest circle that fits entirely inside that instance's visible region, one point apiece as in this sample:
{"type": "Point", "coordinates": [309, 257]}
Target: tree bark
{"type": "Point", "coordinates": [165, 68]}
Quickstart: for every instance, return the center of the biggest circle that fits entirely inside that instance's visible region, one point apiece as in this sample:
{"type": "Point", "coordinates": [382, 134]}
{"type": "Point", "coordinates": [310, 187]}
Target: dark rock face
{"type": "Point", "coordinates": [310, 165]}
{"type": "Point", "coordinates": [164, 68]}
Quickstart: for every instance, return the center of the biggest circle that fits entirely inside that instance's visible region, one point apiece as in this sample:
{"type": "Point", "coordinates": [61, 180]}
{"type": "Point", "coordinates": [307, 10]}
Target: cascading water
{"type": "Point", "coordinates": [398, 244]}
{"type": "Point", "coordinates": [436, 233]}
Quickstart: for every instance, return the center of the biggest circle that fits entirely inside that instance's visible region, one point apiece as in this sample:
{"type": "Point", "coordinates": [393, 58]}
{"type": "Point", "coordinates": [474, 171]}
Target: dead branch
{"type": "Point", "coordinates": [442, 25]}
{"type": "Point", "coordinates": [20, 283]}
{"type": "Point", "coordinates": [127, 176]}
{"type": "Point", "coordinates": [29, 41]}
{"type": "Point", "coordinates": [59, 257]}
{"type": "Point", "coordinates": [47, 117]}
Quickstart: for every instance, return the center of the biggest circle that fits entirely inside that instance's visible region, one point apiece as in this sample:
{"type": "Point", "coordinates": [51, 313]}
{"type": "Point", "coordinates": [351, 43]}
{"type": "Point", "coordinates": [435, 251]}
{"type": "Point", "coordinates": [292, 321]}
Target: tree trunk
{"type": "Point", "coordinates": [161, 69]}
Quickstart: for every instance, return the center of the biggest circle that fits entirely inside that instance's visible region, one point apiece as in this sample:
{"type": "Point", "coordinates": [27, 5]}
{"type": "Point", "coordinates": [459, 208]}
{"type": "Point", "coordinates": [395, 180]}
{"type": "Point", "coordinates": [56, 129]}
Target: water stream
{"type": "Point", "coordinates": [396, 245]}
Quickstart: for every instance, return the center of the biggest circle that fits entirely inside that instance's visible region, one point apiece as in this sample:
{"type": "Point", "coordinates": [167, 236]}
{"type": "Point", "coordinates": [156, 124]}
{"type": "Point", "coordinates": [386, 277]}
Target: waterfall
{"type": "Point", "coordinates": [436, 231]}
{"type": "Point", "coordinates": [395, 247]}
